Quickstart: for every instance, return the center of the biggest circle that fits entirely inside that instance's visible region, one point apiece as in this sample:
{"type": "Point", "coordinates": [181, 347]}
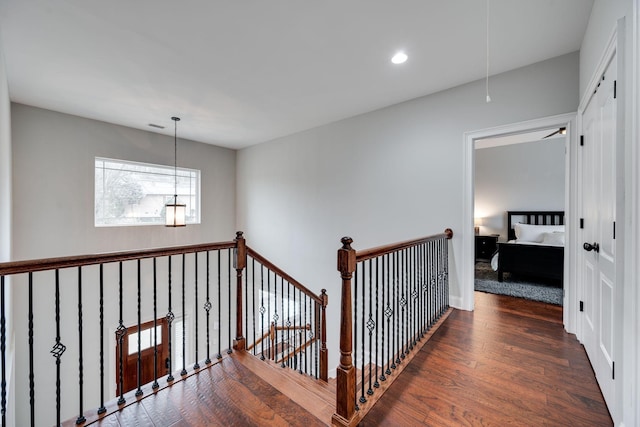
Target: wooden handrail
{"type": "Point", "coordinates": [18, 267]}
{"type": "Point", "coordinates": [271, 266]}
{"type": "Point", "coordinates": [366, 254]}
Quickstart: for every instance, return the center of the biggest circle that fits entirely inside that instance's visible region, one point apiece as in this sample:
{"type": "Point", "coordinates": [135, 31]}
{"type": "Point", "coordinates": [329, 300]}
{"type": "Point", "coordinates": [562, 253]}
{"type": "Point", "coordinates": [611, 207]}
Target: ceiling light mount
{"type": "Point", "coordinates": [175, 212]}
{"type": "Point", "coordinates": [399, 58]}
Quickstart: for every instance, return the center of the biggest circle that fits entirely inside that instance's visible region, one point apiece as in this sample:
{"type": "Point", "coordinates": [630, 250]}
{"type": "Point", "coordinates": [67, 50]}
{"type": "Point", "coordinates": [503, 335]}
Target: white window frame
{"type": "Point", "coordinates": [164, 191]}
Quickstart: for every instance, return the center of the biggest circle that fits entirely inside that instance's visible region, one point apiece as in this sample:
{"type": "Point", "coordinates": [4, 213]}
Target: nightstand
{"type": "Point", "coordinates": [486, 246]}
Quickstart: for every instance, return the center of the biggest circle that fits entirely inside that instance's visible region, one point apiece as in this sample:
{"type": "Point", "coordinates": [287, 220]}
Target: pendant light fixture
{"type": "Point", "coordinates": [175, 212]}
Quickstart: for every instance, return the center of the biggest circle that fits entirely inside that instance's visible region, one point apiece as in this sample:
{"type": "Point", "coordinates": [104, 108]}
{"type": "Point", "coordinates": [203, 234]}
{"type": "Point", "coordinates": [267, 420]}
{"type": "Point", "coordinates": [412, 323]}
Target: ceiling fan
{"type": "Point", "coordinates": [560, 131]}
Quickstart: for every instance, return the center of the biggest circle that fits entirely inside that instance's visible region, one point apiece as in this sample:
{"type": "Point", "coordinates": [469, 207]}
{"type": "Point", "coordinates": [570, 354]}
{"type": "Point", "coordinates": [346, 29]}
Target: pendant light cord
{"type": "Point", "coordinates": [175, 158]}
{"type": "Point", "coordinates": [487, 56]}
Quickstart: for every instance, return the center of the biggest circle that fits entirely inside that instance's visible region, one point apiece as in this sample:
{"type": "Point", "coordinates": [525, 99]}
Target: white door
{"type": "Point", "coordinates": [599, 250]}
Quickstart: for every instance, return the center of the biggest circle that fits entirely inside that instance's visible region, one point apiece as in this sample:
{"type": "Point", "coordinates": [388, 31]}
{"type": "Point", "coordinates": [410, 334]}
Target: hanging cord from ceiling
{"type": "Point", "coordinates": [487, 56]}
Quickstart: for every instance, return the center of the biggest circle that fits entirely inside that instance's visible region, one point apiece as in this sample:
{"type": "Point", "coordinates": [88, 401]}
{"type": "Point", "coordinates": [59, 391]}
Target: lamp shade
{"type": "Point", "coordinates": [176, 215]}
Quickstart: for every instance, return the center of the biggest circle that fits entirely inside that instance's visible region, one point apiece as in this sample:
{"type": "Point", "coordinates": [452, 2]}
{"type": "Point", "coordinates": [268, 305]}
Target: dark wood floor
{"type": "Point", "coordinates": [507, 363]}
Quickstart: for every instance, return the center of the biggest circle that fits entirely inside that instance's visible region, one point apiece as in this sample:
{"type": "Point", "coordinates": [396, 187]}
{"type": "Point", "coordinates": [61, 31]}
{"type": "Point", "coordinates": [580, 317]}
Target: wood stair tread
{"type": "Point", "coordinates": [315, 396]}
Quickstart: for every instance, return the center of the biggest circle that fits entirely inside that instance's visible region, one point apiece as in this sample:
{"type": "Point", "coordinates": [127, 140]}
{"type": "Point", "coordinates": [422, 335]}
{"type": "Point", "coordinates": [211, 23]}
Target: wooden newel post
{"type": "Point", "coordinates": [324, 358]}
{"type": "Point", "coordinates": [239, 263]}
{"type": "Point", "coordinates": [346, 374]}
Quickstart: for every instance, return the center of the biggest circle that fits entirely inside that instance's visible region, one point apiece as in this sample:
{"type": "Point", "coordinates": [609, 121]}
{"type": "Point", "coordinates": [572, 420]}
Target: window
{"type": "Point", "coordinates": [131, 193]}
{"type": "Point", "coordinates": [146, 339]}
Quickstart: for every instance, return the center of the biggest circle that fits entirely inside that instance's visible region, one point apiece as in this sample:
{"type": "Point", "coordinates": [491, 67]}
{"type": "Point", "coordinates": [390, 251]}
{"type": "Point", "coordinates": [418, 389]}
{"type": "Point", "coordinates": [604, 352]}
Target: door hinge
{"type": "Point", "coordinates": [582, 140]}
{"type": "Point", "coordinates": [613, 370]}
{"type": "Point", "coordinates": [615, 89]}
{"type": "Point", "coordinates": [581, 222]}
{"type": "Point", "coordinates": [614, 229]}
{"type": "Point", "coordinates": [581, 305]}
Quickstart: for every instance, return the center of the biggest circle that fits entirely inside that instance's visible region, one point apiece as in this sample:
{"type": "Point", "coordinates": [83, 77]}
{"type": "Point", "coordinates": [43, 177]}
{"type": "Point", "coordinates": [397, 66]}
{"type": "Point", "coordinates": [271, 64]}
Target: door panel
{"type": "Point", "coordinates": [600, 194]}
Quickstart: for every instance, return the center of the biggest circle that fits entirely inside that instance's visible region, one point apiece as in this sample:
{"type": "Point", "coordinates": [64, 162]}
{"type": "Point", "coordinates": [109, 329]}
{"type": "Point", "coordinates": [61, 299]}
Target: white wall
{"type": "Point", "coordinates": [53, 185]}
{"type": "Point", "coordinates": [384, 176]}
{"type": "Point", "coordinates": [602, 22]}
{"type": "Point", "coordinates": [527, 176]}
{"type": "Point", "coordinates": [53, 188]}
{"type": "Point", "coordinates": [5, 216]}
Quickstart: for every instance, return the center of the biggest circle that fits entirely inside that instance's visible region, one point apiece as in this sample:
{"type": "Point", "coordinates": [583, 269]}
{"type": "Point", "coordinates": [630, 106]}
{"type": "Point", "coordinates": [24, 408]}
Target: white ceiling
{"type": "Point", "coordinates": [247, 71]}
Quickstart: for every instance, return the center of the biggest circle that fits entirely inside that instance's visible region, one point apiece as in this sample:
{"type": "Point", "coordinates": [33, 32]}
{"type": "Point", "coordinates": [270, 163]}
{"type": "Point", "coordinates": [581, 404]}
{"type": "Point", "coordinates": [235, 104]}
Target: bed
{"type": "Point", "coordinates": [535, 246]}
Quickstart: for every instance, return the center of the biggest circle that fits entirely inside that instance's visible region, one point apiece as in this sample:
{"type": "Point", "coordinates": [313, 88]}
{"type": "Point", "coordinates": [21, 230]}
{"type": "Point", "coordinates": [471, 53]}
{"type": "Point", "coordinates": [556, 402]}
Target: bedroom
{"type": "Point", "coordinates": [520, 173]}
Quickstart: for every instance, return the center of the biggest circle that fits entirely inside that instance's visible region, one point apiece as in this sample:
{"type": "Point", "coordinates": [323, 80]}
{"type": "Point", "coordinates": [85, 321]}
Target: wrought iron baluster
{"type": "Point", "coordinates": [81, 417]}
{"type": "Point", "coordinates": [58, 348]}
{"type": "Point", "coordinates": [269, 355]}
{"type": "Point", "coordinates": [219, 354]}
{"type": "Point", "coordinates": [414, 297]}
{"type": "Point", "coordinates": [396, 307]}
{"type": "Point", "coordinates": [101, 409]}
{"type": "Point", "coordinates": [282, 344]}
{"type": "Point", "coordinates": [253, 303]}
{"type": "Point", "coordinates": [296, 322]}
{"type": "Point", "coordinates": [196, 365]}
{"type": "Point", "coordinates": [376, 384]}
{"type": "Point", "coordinates": [230, 348]}
{"type": "Point", "coordinates": [207, 309]}
{"type": "Point", "coordinates": [370, 324]}
{"type": "Point", "coordinates": [388, 312]}
{"type": "Point", "coordinates": [3, 350]}
{"type": "Point", "coordinates": [304, 331]}
{"type": "Point", "coordinates": [288, 324]}
{"type": "Point", "coordinates": [32, 390]}
{"type": "Point", "coordinates": [155, 384]}
{"type": "Point", "coordinates": [262, 310]}
{"type": "Point", "coordinates": [170, 318]}
{"type": "Point", "coordinates": [184, 321]}
{"type": "Point", "coordinates": [301, 323]}
{"type": "Point", "coordinates": [139, 363]}
{"type": "Point", "coordinates": [246, 304]}
{"type": "Point", "coordinates": [120, 333]}
{"type": "Point", "coordinates": [363, 399]}
{"type": "Point", "coordinates": [403, 303]}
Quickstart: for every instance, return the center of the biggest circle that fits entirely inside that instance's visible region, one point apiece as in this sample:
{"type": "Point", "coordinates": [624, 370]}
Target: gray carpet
{"type": "Point", "coordinates": [486, 280]}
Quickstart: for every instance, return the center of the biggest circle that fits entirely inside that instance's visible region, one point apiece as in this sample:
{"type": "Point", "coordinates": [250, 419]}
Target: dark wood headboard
{"type": "Point", "coordinates": [533, 217]}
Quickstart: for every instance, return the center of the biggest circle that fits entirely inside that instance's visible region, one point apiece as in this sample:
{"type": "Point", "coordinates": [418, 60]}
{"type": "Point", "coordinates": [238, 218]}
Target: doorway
{"type": "Point", "coordinates": [566, 121]}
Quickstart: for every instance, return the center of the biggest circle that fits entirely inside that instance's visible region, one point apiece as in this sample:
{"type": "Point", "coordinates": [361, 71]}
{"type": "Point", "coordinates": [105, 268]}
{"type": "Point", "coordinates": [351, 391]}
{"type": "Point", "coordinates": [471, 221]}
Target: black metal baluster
{"type": "Point", "coordinates": [253, 302]}
{"type": "Point", "coordinates": [219, 354]}
{"type": "Point", "coordinates": [414, 296]}
{"type": "Point", "coordinates": [288, 324]}
{"type": "Point", "coordinates": [370, 325]}
{"type": "Point", "coordinates": [363, 399]}
{"type": "Point", "coordinates": [207, 308]}
{"type": "Point", "coordinates": [376, 384]}
{"type": "Point", "coordinates": [139, 362]}
{"type": "Point", "coordinates": [120, 333]}
{"type": "Point", "coordinates": [170, 318]}
{"type": "Point", "coordinates": [318, 334]}
{"type": "Point", "coordinates": [3, 350]}
{"type": "Point", "coordinates": [262, 310]}
{"type": "Point", "coordinates": [58, 349]}
{"type": "Point", "coordinates": [81, 417]}
{"type": "Point", "coordinates": [382, 319]}
{"type": "Point", "coordinates": [282, 364]}
{"type": "Point", "coordinates": [296, 325]}
{"type": "Point", "coordinates": [155, 384]}
{"type": "Point", "coordinates": [32, 389]}
{"type": "Point", "coordinates": [446, 263]}
{"type": "Point", "coordinates": [183, 372]}
{"type": "Point", "coordinates": [388, 312]}
{"type": "Point", "coordinates": [301, 331]}
{"type": "Point", "coordinates": [246, 303]}
{"type": "Point", "coordinates": [304, 331]}
{"type": "Point", "coordinates": [396, 307]}
{"type": "Point", "coordinates": [101, 409]}
{"type": "Point", "coordinates": [269, 355]}
{"type": "Point", "coordinates": [403, 303]}
{"type": "Point", "coordinates": [230, 349]}
{"type": "Point", "coordinates": [196, 365]}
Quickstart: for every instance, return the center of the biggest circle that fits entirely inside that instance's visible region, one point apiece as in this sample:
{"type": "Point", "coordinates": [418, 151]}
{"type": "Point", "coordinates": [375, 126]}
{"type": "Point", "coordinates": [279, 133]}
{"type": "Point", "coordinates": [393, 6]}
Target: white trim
{"type": "Point", "coordinates": [467, 235]}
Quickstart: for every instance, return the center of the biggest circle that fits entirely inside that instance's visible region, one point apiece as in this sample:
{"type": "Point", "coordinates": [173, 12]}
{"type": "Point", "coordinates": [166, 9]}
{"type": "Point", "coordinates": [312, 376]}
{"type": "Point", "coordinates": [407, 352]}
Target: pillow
{"type": "Point", "coordinates": [553, 239]}
{"type": "Point", "coordinates": [534, 233]}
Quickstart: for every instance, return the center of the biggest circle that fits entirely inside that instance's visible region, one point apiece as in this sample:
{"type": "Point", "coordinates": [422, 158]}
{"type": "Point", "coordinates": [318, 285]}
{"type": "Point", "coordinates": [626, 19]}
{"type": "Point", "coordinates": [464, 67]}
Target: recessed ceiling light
{"type": "Point", "coordinates": [399, 58]}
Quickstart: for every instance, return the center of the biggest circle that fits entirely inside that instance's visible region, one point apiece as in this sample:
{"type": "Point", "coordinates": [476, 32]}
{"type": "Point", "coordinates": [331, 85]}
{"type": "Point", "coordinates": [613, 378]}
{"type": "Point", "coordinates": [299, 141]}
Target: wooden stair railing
{"type": "Point", "coordinates": [393, 298]}
{"type": "Point", "coordinates": [72, 301]}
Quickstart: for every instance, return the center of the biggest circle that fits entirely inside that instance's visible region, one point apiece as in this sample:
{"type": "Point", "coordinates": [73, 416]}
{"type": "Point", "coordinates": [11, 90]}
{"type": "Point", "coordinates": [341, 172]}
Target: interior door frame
{"type": "Point", "coordinates": [568, 121]}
